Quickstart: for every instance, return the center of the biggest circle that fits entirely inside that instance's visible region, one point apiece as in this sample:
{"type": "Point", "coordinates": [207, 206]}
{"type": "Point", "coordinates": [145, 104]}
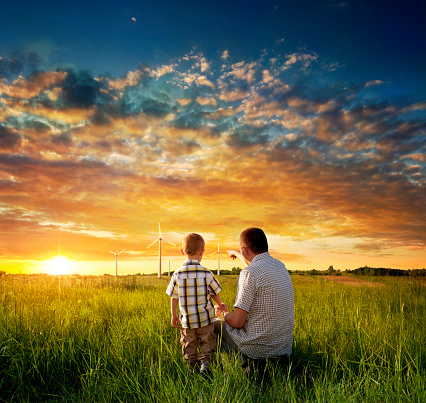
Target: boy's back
{"type": "Point", "coordinates": [193, 284]}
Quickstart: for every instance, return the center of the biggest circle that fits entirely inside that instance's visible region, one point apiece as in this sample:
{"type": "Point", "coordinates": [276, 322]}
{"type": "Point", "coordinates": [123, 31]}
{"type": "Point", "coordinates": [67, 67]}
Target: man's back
{"type": "Point", "coordinates": [265, 292]}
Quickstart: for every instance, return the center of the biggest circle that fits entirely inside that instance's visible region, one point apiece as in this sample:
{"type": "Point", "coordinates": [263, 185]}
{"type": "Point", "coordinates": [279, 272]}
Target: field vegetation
{"type": "Point", "coordinates": [109, 339]}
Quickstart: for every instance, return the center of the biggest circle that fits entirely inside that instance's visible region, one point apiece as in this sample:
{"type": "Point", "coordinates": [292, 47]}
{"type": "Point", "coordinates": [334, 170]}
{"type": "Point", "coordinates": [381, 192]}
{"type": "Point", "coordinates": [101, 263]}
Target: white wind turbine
{"type": "Point", "coordinates": [218, 258]}
{"type": "Point", "coordinates": [169, 266]}
{"type": "Point", "coordinates": [116, 260]}
{"type": "Point", "coordinates": [159, 239]}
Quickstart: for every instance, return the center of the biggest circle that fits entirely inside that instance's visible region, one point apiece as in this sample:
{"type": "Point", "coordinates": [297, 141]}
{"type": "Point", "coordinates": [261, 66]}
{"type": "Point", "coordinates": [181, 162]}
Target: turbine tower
{"type": "Point", "coordinates": [173, 258]}
{"type": "Point", "coordinates": [218, 258]}
{"type": "Point", "coordinates": [116, 260]}
{"type": "Point", "coordinates": [169, 266]}
{"type": "Point", "coordinates": [159, 239]}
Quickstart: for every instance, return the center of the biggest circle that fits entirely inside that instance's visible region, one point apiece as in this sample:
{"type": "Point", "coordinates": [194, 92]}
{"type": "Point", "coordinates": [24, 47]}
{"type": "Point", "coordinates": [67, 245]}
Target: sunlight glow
{"type": "Point", "coordinates": [59, 265]}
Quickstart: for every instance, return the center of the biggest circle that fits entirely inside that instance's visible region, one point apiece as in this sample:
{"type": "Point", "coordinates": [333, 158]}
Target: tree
{"type": "Point", "coordinates": [235, 270]}
{"type": "Point", "coordinates": [331, 270]}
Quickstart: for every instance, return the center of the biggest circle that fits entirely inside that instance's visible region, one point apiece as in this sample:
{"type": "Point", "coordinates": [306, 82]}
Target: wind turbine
{"type": "Point", "coordinates": [173, 258]}
{"type": "Point", "coordinates": [218, 258]}
{"type": "Point", "coordinates": [159, 239]}
{"type": "Point", "coordinates": [169, 266]}
{"type": "Point", "coordinates": [116, 260]}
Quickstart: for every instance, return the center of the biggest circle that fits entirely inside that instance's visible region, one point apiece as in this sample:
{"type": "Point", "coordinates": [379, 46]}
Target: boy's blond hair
{"type": "Point", "coordinates": [192, 244]}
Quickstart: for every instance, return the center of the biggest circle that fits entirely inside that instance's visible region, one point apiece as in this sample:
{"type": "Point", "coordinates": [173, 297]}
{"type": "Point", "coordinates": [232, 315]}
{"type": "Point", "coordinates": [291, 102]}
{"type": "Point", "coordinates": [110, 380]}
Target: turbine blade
{"type": "Point", "coordinates": [171, 243]}
{"type": "Point", "coordinates": [212, 253]}
{"type": "Point", "coordinates": [153, 242]}
{"type": "Point", "coordinates": [159, 228]}
{"type": "Point", "coordinates": [112, 252]}
{"type": "Point", "coordinates": [122, 251]}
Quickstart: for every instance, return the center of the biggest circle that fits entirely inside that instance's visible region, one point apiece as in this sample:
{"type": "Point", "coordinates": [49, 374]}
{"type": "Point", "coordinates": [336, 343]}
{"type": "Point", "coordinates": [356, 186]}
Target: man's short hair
{"type": "Point", "coordinates": [192, 244]}
{"type": "Point", "coordinates": [255, 240]}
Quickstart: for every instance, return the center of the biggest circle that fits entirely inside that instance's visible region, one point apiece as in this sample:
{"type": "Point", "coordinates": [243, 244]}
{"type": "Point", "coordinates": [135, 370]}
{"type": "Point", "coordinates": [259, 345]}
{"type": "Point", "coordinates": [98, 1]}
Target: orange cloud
{"type": "Point", "coordinates": [23, 88]}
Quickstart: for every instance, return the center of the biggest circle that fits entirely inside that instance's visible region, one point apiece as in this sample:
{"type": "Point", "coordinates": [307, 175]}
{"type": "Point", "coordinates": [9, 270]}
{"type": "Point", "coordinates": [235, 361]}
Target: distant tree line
{"type": "Point", "coordinates": [329, 272]}
{"type": "Point", "coordinates": [381, 271]}
{"type": "Point", "coordinates": [363, 271]}
{"type": "Point", "coordinates": [234, 270]}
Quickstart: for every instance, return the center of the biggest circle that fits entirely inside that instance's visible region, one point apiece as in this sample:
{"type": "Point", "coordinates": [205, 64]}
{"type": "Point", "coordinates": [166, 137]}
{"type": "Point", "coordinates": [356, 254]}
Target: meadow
{"type": "Point", "coordinates": [109, 339]}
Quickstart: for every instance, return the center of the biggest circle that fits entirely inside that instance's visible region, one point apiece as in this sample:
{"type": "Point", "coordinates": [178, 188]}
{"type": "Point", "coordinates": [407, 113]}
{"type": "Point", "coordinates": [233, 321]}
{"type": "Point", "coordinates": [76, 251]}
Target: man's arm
{"type": "Point", "coordinates": [233, 253]}
{"type": "Point", "coordinates": [174, 304]}
{"type": "Point", "coordinates": [236, 319]}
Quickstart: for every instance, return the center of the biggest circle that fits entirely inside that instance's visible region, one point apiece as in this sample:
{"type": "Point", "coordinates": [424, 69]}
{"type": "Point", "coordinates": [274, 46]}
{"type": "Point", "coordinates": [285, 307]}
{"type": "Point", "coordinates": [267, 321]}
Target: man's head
{"type": "Point", "coordinates": [193, 245]}
{"type": "Point", "coordinates": [254, 239]}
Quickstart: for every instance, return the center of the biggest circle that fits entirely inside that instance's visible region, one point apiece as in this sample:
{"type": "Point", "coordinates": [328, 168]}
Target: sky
{"type": "Point", "coordinates": [304, 118]}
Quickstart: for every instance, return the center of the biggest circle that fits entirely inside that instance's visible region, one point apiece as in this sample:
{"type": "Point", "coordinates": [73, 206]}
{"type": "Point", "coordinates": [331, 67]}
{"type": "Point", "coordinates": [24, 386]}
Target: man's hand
{"type": "Point", "coordinates": [175, 321]}
{"type": "Point", "coordinates": [233, 254]}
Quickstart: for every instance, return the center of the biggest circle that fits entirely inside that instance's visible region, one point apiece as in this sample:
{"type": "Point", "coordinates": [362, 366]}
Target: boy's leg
{"type": "Point", "coordinates": [208, 341]}
{"type": "Point", "coordinates": [189, 342]}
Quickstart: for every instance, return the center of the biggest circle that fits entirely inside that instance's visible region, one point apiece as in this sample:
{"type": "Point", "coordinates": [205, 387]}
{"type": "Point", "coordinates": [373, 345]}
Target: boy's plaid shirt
{"type": "Point", "coordinates": [193, 284]}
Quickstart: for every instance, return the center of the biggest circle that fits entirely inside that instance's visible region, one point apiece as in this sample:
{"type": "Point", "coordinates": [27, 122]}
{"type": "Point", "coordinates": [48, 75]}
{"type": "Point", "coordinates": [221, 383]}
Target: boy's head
{"type": "Point", "coordinates": [192, 244]}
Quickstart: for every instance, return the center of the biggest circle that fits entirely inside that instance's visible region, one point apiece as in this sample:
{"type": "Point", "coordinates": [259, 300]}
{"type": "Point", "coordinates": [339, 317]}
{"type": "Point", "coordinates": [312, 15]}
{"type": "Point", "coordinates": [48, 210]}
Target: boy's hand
{"type": "Point", "coordinates": [220, 310]}
{"type": "Point", "coordinates": [175, 321]}
{"type": "Point", "coordinates": [224, 308]}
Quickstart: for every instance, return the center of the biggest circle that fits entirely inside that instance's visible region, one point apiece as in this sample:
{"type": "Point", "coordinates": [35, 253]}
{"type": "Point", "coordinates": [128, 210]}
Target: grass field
{"type": "Point", "coordinates": [107, 339]}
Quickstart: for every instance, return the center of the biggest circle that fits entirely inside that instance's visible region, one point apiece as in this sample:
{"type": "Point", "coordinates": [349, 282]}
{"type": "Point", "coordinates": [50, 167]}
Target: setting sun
{"type": "Point", "coordinates": [59, 265]}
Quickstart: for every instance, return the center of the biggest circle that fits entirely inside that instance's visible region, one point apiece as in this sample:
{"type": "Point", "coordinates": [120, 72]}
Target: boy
{"type": "Point", "coordinates": [193, 287]}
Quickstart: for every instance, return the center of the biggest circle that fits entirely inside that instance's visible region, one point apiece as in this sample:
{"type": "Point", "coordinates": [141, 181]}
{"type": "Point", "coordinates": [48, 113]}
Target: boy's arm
{"type": "Point", "coordinates": [174, 304]}
{"type": "Point", "coordinates": [216, 298]}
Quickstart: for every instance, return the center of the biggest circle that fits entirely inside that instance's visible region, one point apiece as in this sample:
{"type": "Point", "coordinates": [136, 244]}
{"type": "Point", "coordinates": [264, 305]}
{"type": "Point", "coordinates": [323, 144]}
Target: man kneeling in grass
{"type": "Point", "coordinates": [261, 326]}
{"type": "Point", "coordinates": [193, 287]}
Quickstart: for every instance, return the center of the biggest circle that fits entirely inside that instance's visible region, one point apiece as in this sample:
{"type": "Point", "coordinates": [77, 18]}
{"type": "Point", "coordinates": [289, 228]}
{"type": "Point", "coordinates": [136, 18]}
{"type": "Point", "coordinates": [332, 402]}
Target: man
{"type": "Point", "coordinates": [262, 323]}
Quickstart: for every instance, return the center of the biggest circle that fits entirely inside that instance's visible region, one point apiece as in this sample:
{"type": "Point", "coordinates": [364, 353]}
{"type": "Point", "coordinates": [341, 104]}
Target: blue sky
{"type": "Point", "coordinates": [368, 40]}
{"type": "Point", "coordinates": [305, 118]}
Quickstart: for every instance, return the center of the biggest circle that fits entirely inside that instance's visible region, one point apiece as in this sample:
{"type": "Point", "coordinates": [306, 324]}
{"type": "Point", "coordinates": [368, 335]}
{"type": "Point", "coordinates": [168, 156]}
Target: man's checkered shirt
{"type": "Point", "coordinates": [265, 292]}
{"type": "Point", "coordinates": [193, 284]}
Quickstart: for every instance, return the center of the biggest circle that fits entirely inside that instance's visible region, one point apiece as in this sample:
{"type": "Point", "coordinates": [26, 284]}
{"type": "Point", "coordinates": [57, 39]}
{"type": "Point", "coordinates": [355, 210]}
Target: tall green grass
{"type": "Point", "coordinates": [107, 339]}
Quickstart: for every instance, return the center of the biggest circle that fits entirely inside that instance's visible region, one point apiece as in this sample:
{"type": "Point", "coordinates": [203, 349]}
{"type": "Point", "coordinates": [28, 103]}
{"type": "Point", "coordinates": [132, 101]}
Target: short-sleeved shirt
{"type": "Point", "coordinates": [265, 292]}
{"type": "Point", "coordinates": [193, 285]}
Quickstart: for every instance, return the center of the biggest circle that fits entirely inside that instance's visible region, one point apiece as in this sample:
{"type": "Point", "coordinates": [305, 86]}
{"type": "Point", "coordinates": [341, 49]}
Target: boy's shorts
{"type": "Point", "coordinates": [190, 338]}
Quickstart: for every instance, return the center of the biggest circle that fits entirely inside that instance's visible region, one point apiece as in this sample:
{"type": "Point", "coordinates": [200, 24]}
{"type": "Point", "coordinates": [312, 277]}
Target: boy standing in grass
{"type": "Point", "coordinates": [193, 287]}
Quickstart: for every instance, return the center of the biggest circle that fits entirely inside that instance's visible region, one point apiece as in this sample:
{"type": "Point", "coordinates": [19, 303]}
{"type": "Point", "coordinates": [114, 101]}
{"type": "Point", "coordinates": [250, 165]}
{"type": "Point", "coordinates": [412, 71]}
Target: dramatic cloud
{"type": "Point", "coordinates": [208, 145]}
